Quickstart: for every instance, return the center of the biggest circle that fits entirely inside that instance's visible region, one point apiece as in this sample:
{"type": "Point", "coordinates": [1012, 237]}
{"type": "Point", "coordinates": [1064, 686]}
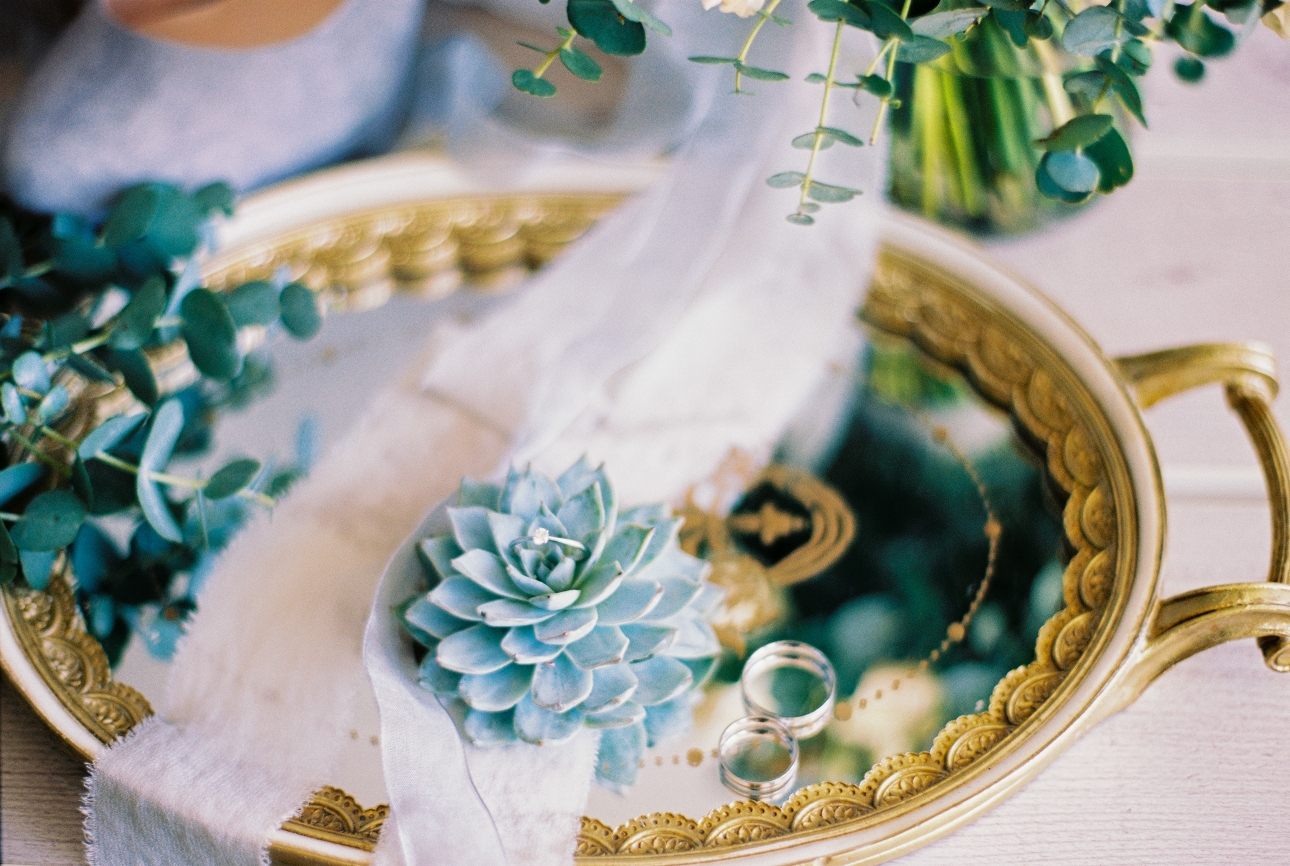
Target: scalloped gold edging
{"type": "Point", "coordinates": [369, 253]}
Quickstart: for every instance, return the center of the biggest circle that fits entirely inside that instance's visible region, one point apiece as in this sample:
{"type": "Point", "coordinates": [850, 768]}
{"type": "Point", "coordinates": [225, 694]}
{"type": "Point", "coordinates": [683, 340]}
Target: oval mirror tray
{"type": "Point", "coordinates": [971, 646]}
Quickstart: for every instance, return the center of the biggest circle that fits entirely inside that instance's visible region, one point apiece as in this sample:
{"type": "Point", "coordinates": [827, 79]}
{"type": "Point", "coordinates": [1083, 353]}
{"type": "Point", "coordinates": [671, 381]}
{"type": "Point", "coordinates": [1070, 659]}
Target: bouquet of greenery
{"type": "Point", "coordinates": [113, 360]}
{"type": "Point", "coordinates": [994, 100]}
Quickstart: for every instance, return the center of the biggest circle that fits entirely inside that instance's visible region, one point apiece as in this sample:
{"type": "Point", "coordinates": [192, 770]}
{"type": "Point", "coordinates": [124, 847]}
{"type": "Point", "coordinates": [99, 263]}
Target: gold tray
{"type": "Point", "coordinates": [417, 224]}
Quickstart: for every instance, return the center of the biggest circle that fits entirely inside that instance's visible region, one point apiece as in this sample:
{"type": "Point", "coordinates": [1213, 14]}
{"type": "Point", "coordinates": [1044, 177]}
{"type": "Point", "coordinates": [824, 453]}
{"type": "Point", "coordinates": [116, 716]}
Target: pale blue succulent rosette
{"type": "Point", "coordinates": [549, 611]}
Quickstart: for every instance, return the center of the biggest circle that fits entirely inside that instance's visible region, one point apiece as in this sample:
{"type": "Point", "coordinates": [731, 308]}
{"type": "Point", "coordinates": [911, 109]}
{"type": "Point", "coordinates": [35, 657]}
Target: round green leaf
{"type": "Point", "coordinates": [52, 405]}
{"type": "Point", "coordinates": [580, 64]}
{"type": "Point", "coordinates": [714, 60]}
{"type": "Point", "coordinates": [1073, 171]}
{"type": "Point", "coordinates": [50, 522]}
{"type": "Point", "coordinates": [920, 49]}
{"type": "Point", "coordinates": [135, 323]}
{"type": "Point", "coordinates": [15, 410]}
{"type": "Point", "coordinates": [167, 424]}
{"type": "Point", "coordinates": [133, 365]}
{"type": "Point", "coordinates": [762, 74]}
{"type": "Point", "coordinates": [1196, 32]}
{"type": "Point", "coordinates": [1111, 153]}
{"type": "Point", "coordinates": [15, 479]}
{"type": "Point", "coordinates": [232, 479]}
{"type": "Point", "coordinates": [81, 259]}
{"type": "Point", "coordinates": [211, 336]}
{"type": "Point", "coordinates": [526, 82]}
{"type": "Point", "coordinates": [1051, 188]}
{"type": "Point", "coordinates": [174, 230]}
{"type": "Point", "coordinates": [253, 303]}
{"type": "Point", "coordinates": [1077, 132]}
{"type": "Point", "coordinates": [828, 193]}
{"type": "Point", "coordinates": [837, 10]}
{"type": "Point", "coordinates": [218, 196]}
{"type": "Point", "coordinates": [31, 373]}
{"type": "Point", "coordinates": [800, 219]}
{"type": "Point", "coordinates": [939, 25]}
{"type": "Point", "coordinates": [786, 179]}
{"type": "Point", "coordinates": [36, 566]}
{"type": "Point", "coordinates": [301, 315]}
{"type": "Point", "coordinates": [1189, 69]}
{"type": "Point", "coordinates": [132, 215]}
{"type": "Point", "coordinates": [886, 24]}
{"type": "Point", "coordinates": [601, 22]}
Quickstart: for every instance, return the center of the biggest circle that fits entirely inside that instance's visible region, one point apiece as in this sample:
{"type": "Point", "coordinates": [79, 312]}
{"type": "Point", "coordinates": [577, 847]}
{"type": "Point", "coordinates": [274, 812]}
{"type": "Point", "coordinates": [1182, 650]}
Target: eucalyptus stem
{"type": "Point", "coordinates": [878, 57]}
{"type": "Point", "coordinates": [78, 348]}
{"type": "Point", "coordinates": [9, 515]}
{"type": "Point", "coordinates": [197, 484]}
{"type": "Point", "coordinates": [39, 270]}
{"type": "Point", "coordinates": [49, 461]}
{"type": "Point", "coordinates": [552, 55]}
{"type": "Point", "coordinates": [50, 432]}
{"type": "Point", "coordinates": [886, 100]}
{"type": "Point", "coordinates": [748, 43]}
{"type": "Point", "coordinates": [824, 112]}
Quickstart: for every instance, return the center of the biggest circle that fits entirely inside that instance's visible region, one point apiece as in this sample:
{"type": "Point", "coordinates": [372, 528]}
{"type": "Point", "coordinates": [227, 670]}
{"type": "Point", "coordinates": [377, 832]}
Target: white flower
{"type": "Point", "coordinates": [742, 8]}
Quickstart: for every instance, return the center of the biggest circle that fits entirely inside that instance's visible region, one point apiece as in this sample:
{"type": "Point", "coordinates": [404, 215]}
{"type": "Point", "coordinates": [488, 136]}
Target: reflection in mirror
{"type": "Point", "coordinates": [899, 607]}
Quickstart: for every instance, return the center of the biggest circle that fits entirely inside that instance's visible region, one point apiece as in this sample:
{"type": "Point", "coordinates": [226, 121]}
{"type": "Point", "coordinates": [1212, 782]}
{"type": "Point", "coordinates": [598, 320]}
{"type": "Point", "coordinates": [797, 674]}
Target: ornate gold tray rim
{"type": "Point", "coordinates": [1090, 661]}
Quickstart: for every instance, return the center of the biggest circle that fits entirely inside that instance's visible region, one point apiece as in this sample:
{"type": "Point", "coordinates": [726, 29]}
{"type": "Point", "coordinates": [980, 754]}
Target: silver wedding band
{"type": "Point", "coordinates": [758, 757]}
{"type": "Point", "coordinates": [542, 537]}
{"type": "Point", "coordinates": [778, 656]}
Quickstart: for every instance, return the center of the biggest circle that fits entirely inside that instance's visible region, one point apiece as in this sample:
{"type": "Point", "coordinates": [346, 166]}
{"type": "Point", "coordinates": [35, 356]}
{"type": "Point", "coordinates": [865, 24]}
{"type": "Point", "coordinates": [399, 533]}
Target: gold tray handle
{"type": "Point", "coordinates": [1188, 623]}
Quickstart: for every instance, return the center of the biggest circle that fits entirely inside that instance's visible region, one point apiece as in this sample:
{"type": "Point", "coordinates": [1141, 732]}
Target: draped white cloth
{"type": "Point", "coordinates": [693, 320]}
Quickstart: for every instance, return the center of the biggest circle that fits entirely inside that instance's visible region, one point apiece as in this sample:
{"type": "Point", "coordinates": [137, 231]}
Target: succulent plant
{"type": "Point", "coordinates": [548, 611]}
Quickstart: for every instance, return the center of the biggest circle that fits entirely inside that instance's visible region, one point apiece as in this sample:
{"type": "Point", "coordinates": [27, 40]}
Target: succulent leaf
{"type": "Point", "coordinates": [620, 750]}
{"type": "Point", "coordinates": [633, 600]}
{"type": "Point", "coordinates": [605, 645]}
{"type": "Point", "coordinates": [506, 528]}
{"type": "Point", "coordinates": [526, 494]}
{"type": "Point", "coordinates": [426, 616]}
{"type": "Point", "coordinates": [560, 685]}
{"type": "Point", "coordinates": [490, 729]}
{"type": "Point", "coordinates": [507, 612]}
{"type": "Point", "coordinates": [599, 584]}
{"type": "Point", "coordinates": [524, 648]}
{"type": "Point", "coordinates": [627, 546]}
{"type": "Point", "coordinates": [645, 640]}
{"type": "Point", "coordinates": [476, 650]}
{"type": "Point", "coordinates": [695, 638]}
{"type": "Point", "coordinates": [438, 679]}
{"type": "Point", "coordinates": [617, 717]}
{"type": "Point", "coordinates": [461, 597]}
{"type": "Point", "coordinates": [584, 514]}
{"type": "Point", "coordinates": [471, 529]}
{"type": "Point", "coordinates": [497, 691]}
{"type": "Point", "coordinates": [561, 577]}
{"type": "Point", "coordinates": [678, 592]}
{"type": "Point", "coordinates": [478, 493]}
{"type": "Point", "coordinates": [555, 601]}
{"type": "Point", "coordinates": [661, 679]}
{"type": "Point", "coordinates": [567, 626]}
{"type": "Point", "coordinates": [487, 570]}
{"type": "Point", "coordinates": [541, 726]}
{"type": "Point", "coordinates": [667, 720]}
{"type": "Point", "coordinates": [610, 687]}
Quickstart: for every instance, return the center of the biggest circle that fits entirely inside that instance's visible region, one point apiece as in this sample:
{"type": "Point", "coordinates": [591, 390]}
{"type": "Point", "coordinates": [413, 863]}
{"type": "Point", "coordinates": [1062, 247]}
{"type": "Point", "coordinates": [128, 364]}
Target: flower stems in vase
{"type": "Point", "coordinates": [963, 146]}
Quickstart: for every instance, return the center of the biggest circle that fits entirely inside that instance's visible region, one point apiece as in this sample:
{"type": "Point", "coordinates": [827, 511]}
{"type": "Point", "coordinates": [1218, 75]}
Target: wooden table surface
{"type": "Point", "coordinates": [1196, 249]}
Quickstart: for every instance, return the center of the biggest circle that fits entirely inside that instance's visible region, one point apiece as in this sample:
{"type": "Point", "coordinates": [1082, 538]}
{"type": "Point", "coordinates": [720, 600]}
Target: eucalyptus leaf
{"type": "Point", "coordinates": [301, 314]}
{"type": "Point", "coordinates": [921, 49]}
{"type": "Point", "coordinates": [1189, 69]}
{"type": "Point", "coordinates": [875, 84]}
{"type": "Point", "coordinates": [1195, 31]}
{"type": "Point", "coordinates": [602, 23]}
{"type": "Point", "coordinates": [133, 365]}
{"type": "Point", "coordinates": [232, 479]}
{"type": "Point", "coordinates": [525, 81]}
{"type": "Point", "coordinates": [17, 478]}
{"type": "Point", "coordinates": [50, 522]}
{"type": "Point", "coordinates": [132, 215]}
{"type": "Point", "coordinates": [105, 436]}
{"type": "Point", "coordinates": [1097, 29]}
{"type": "Point", "coordinates": [134, 324]}
{"type": "Point", "coordinates": [174, 229]}
{"type": "Point", "coordinates": [11, 263]}
{"type": "Point", "coordinates": [837, 10]}
{"type": "Point", "coordinates": [90, 369]}
{"type": "Point", "coordinates": [217, 196]}
{"type": "Point", "coordinates": [1073, 171]}
{"type": "Point", "coordinates": [253, 303]}
{"type": "Point", "coordinates": [52, 405]}
{"type": "Point", "coordinates": [211, 335]}
{"type": "Point", "coordinates": [580, 64]}
{"type": "Point", "coordinates": [1008, 5]}
{"type": "Point", "coordinates": [841, 136]}
{"type": "Point", "coordinates": [825, 192]}
{"type": "Point", "coordinates": [785, 179]}
{"type": "Point", "coordinates": [886, 24]}
{"type": "Point", "coordinates": [83, 260]}
{"type": "Point", "coordinates": [9, 558]}
{"type": "Point", "coordinates": [1050, 188]}
{"type": "Point", "coordinates": [15, 410]}
{"type": "Point", "coordinates": [1114, 161]}
{"type": "Point", "coordinates": [167, 424]}
{"type": "Point", "coordinates": [715, 60]}
{"type": "Point", "coordinates": [1124, 87]}
{"type": "Point", "coordinates": [1038, 26]}
{"type": "Point", "coordinates": [31, 373]}
{"type": "Point", "coordinates": [1077, 132]}
{"type": "Point", "coordinates": [761, 74]}
{"type": "Point", "coordinates": [36, 567]}
{"type": "Point", "coordinates": [81, 484]}
{"type": "Point", "coordinates": [940, 25]}
{"type": "Point", "coordinates": [633, 12]}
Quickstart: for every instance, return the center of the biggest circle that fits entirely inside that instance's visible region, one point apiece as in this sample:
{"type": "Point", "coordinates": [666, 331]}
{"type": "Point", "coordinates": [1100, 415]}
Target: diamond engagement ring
{"type": "Point", "coordinates": [541, 537]}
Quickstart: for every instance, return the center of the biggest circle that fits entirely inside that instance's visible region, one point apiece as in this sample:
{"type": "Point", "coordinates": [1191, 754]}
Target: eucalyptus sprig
{"type": "Point", "coordinates": [93, 313]}
{"type": "Point", "coordinates": [1085, 152]}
